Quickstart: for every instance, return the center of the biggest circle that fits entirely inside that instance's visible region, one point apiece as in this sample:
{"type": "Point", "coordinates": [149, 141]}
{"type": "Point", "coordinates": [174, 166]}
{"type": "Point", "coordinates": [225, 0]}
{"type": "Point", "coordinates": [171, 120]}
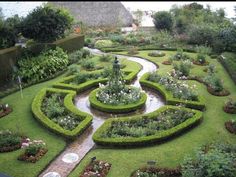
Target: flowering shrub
{"type": "Point", "coordinates": [34, 150]}
{"type": "Point", "coordinates": [54, 109]}
{"type": "Point", "coordinates": [179, 89]}
{"type": "Point", "coordinates": [214, 82]}
{"type": "Point", "coordinates": [183, 68]}
{"type": "Point", "coordinates": [230, 106]}
{"type": "Point", "coordinates": [133, 50]}
{"type": "Point", "coordinates": [96, 168]}
{"type": "Point", "coordinates": [105, 58]}
{"type": "Point", "coordinates": [214, 160]}
{"type": "Point", "coordinates": [148, 126]}
{"type": "Point", "coordinates": [103, 43]}
{"type": "Point", "coordinates": [180, 55]}
{"type": "Point", "coordinates": [156, 172]}
{"type": "Point", "coordinates": [127, 95]}
{"type": "Point", "coordinates": [88, 64]}
{"type": "Point", "coordinates": [9, 140]}
{"type": "Point", "coordinates": [156, 54]}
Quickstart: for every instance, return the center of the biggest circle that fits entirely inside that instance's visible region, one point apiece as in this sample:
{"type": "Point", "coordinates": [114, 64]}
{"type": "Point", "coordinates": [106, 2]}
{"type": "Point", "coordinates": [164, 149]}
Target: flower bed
{"type": "Point", "coordinates": [201, 64]}
{"type": "Point", "coordinates": [144, 129]}
{"type": "Point", "coordinates": [34, 150]}
{"type": "Point", "coordinates": [230, 106]}
{"type": "Point", "coordinates": [10, 141]}
{"type": "Point", "coordinates": [5, 110]}
{"type": "Point", "coordinates": [70, 127]}
{"type": "Point", "coordinates": [166, 62]}
{"type": "Point", "coordinates": [120, 108]}
{"type": "Point", "coordinates": [67, 82]}
{"type": "Point", "coordinates": [157, 172]}
{"type": "Point", "coordinates": [231, 126]}
{"type": "Point", "coordinates": [156, 54]}
{"type": "Point", "coordinates": [198, 103]}
{"type": "Point", "coordinates": [96, 168]}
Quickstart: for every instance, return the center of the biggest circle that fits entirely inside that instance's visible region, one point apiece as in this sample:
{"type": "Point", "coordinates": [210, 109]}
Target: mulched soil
{"type": "Point", "coordinates": [221, 93]}
{"type": "Point", "coordinates": [13, 148]}
{"type": "Point", "coordinates": [229, 110]}
{"type": "Point", "coordinates": [201, 64]}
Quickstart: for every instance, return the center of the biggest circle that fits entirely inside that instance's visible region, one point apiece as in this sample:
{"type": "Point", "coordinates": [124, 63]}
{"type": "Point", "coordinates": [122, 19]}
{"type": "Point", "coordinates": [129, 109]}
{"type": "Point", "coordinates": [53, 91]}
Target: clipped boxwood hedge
{"type": "Point", "coordinates": [95, 103]}
{"type": "Point", "coordinates": [160, 136]}
{"type": "Point", "coordinates": [64, 83]}
{"type": "Point", "coordinates": [68, 103]}
{"type": "Point", "coordinates": [200, 105]}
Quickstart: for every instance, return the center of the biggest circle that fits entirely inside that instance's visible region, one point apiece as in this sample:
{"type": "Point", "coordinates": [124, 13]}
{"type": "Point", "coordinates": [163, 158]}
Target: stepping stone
{"type": "Point", "coordinates": [70, 158]}
{"type": "Point", "coordinates": [52, 174]}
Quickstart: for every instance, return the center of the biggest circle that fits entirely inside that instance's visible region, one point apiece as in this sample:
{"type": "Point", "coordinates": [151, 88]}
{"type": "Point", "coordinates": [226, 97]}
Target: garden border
{"type": "Point", "coordinates": [200, 105]}
{"type": "Point", "coordinates": [160, 136]}
{"type": "Point", "coordinates": [68, 103]}
{"type": "Point", "coordinates": [95, 103]}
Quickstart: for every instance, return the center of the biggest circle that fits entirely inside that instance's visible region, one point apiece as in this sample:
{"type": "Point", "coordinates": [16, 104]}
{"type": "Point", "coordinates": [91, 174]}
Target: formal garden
{"type": "Point", "coordinates": [95, 102]}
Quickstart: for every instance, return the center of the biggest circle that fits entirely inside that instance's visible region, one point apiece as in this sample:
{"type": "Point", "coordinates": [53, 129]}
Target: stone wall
{"type": "Point", "coordinates": [94, 14]}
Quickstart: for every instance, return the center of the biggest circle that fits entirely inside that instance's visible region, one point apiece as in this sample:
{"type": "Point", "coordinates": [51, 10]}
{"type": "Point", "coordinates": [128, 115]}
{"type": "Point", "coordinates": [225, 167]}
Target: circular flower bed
{"type": "Point", "coordinates": [156, 171]}
{"type": "Point", "coordinates": [156, 54]}
{"type": "Point", "coordinates": [230, 107]}
{"type": "Point", "coordinates": [166, 62]}
{"type": "Point", "coordinates": [220, 93]}
{"type": "Point", "coordinates": [10, 141]}
{"type": "Point", "coordinates": [5, 110]}
{"type": "Point", "coordinates": [129, 99]}
{"type": "Point", "coordinates": [231, 126]}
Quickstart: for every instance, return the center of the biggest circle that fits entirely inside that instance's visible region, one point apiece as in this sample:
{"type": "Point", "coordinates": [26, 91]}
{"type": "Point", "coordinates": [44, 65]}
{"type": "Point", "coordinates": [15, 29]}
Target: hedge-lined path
{"type": "Point", "coordinates": [84, 143]}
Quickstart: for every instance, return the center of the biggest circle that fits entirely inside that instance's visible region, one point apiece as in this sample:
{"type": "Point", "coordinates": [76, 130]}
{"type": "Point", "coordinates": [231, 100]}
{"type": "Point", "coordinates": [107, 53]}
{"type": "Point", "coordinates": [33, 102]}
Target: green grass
{"type": "Point", "coordinates": [171, 153]}
{"type": "Point", "coordinates": [22, 120]}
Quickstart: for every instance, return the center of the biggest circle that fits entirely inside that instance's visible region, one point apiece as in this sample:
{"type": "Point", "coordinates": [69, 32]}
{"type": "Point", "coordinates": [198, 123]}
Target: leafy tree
{"type": "Point", "coordinates": [163, 20]}
{"type": "Point", "coordinates": [46, 24]}
{"type": "Point", "coordinates": [138, 16]}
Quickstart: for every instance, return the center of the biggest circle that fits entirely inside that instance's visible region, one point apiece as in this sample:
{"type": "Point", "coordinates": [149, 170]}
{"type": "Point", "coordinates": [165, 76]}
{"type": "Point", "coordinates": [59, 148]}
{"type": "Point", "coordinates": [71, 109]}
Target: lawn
{"type": "Point", "coordinates": [22, 120]}
{"type": "Point", "coordinates": [171, 153]}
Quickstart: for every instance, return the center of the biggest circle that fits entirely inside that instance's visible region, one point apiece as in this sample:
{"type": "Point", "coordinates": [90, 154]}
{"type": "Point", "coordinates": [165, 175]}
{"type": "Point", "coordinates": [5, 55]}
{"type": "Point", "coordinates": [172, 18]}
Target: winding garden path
{"type": "Point", "coordinates": [76, 150]}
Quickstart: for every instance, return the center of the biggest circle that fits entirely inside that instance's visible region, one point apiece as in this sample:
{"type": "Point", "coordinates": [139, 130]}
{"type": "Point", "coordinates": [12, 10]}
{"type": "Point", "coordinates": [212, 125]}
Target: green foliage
{"type": "Point", "coordinates": [8, 138]}
{"type": "Point", "coordinates": [103, 43]}
{"type": "Point", "coordinates": [33, 149]}
{"type": "Point", "coordinates": [105, 58]}
{"type": "Point", "coordinates": [133, 50]}
{"type": "Point", "coordinates": [83, 77]}
{"type": "Point", "coordinates": [73, 69]}
{"type": "Point", "coordinates": [46, 24]}
{"type": "Point", "coordinates": [202, 34]}
{"type": "Point", "coordinates": [215, 160]}
{"type": "Point", "coordinates": [156, 54]}
{"type": "Point", "coordinates": [63, 125]}
{"type": "Point", "coordinates": [88, 64]}
{"type": "Point", "coordinates": [140, 130]}
{"type": "Point", "coordinates": [163, 20]}
{"type": "Point", "coordinates": [182, 68]}
{"type": "Point", "coordinates": [214, 82]}
{"type": "Point", "coordinates": [46, 64]}
{"type": "Point", "coordinates": [76, 56]}
{"type": "Point", "coordinates": [163, 37]}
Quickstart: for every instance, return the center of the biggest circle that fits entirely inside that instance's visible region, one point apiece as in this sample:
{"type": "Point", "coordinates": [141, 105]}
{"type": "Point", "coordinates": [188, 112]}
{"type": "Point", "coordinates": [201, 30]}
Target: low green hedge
{"type": "Point", "coordinates": [134, 141]}
{"type": "Point", "coordinates": [95, 103]}
{"type": "Point", "coordinates": [68, 103]}
{"type": "Point", "coordinates": [200, 105]}
{"type": "Point", "coordinates": [63, 83]}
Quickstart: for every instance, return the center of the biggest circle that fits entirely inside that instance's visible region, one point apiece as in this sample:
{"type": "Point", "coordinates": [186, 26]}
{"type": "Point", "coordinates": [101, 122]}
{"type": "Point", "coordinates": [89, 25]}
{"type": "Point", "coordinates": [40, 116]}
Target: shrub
{"type": "Point", "coordinates": [73, 69]}
{"type": "Point", "coordinates": [90, 42]}
{"type": "Point", "coordinates": [46, 24]}
{"type": "Point", "coordinates": [214, 160]}
{"type": "Point", "coordinates": [75, 56]}
{"type": "Point", "coordinates": [103, 43]}
{"type": "Point", "coordinates": [133, 50]}
{"type": "Point", "coordinates": [211, 69]}
{"type": "Point", "coordinates": [83, 77]}
{"type": "Point", "coordinates": [163, 20]}
{"type": "Point", "coordinates": [156, 54]}
{"type": "Point", "coordinates": [201, 34]}
{"type": "Point", "coordinates": [34, 69]}
{"type": "Point", "coordinates": [163, 37]}
{"type": "Point", "coordinates": [183, 68]}
{"type": "Point", "coordinates": [7, 37]}
{"type": "Point", "coordinates": [88, 64]}
{"type": "Point", "coordinates": [214, 82]}
{"type": "Point", "coordinates": [180, 55]}
{"type": "Point", "coordinates": [105, 58]}
{"type": "Point", "coordinates": [86, 53]}
{"type": "Point", "coordinates": [8, 139]}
